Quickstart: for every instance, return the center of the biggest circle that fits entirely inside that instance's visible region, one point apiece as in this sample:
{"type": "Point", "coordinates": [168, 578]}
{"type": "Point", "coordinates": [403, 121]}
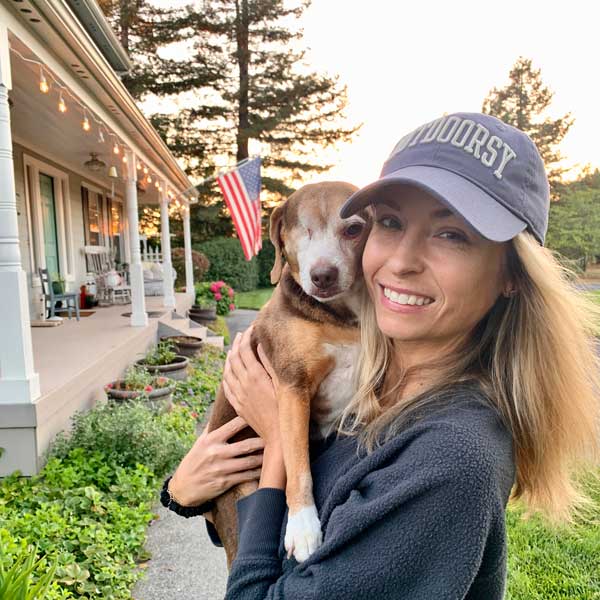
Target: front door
{"type": "Point", "coordinates": [49, 218]}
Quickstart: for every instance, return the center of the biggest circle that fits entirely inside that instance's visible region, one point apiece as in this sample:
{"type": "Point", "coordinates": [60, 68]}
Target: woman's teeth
{"type": "Point", "coordinates": [405, 299]}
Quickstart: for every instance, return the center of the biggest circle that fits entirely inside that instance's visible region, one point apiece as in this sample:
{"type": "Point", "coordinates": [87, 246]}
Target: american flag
{"type": "Point", "coordinates": [241, 189]}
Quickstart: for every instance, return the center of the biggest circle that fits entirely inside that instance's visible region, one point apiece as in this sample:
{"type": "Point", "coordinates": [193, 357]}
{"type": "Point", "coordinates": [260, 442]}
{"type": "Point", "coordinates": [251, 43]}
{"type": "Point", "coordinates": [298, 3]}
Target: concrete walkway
{"type": "Point", "coordinates": [185, 565]}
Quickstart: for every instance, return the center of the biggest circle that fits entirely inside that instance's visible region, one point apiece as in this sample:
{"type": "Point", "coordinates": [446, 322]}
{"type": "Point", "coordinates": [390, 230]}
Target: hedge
{"type": "Point", "coordinates": [227, 263]}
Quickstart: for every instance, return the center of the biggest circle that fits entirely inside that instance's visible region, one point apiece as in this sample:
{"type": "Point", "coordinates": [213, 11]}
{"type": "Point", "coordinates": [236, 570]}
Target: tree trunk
{"type": "Point", "coordinates": [243, 57]}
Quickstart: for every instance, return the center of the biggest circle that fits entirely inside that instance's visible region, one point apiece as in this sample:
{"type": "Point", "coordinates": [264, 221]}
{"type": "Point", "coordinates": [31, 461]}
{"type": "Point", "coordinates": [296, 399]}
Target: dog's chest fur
{"type": "Point", "coordinates": [335, 391]}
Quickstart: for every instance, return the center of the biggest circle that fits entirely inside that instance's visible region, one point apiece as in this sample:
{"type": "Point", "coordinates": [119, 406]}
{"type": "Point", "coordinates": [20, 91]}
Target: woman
{"type": "Point", "coordinates": [477, 379]}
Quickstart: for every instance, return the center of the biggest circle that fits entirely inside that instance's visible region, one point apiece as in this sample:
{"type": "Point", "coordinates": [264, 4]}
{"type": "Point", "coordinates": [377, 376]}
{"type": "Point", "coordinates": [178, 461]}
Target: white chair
{"type": "Point", "coordinates": [112, 287]}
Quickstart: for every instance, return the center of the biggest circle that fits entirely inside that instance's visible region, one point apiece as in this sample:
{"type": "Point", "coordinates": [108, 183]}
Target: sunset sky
{"type": "Point", "coordinates": [406, 63]}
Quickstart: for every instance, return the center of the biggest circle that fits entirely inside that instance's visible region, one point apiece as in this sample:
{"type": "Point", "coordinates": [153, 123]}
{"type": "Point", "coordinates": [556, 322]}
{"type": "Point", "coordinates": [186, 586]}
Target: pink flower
{"type": "Point", "coordinates": [232, 307]}
{"type": "Point", "coordinates": [109, 386]}
{"type": "Point", "coordinates": [220, 284]}
{"type": "Point", "coordinates": [230, 292]}
{"type": "Point", "coordinates": [162, 380]}
{"type": "Point", "coordinates": [195, 414]}
{"type": "Point", "coordinates": [214, 287]}
{"type": "Point", "coordinates": [148, 388]}
{"type": "Point", "coordinates": [218, 296]}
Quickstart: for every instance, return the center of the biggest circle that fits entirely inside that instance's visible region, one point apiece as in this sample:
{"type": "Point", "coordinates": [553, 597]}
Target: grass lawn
{"type": "Point", "coordinates": [548, 564]}
{"type": "Point", "coordinates": [254, 299]}
{"type": "Point", "coordinates": [594, 295]}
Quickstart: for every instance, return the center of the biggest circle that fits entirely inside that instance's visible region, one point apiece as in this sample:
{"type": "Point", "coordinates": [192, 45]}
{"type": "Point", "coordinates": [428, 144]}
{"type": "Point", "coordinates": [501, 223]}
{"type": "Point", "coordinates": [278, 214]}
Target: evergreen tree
{"type": "Point", "coordinates": [265, 92]}
{"type": "Point", "coordinates": [522, 103]}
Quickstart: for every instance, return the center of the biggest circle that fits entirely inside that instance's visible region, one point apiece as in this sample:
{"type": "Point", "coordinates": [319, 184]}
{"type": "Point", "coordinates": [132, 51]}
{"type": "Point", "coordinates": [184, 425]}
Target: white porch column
{"type": "Point", "coordinates": [165, 244]}
{"type": "Point", "coordinates": [18, 381]}
{"type": "Point", "coordinates": [187, 244]}
{"type": "Point", "coordinates": [139, 317]}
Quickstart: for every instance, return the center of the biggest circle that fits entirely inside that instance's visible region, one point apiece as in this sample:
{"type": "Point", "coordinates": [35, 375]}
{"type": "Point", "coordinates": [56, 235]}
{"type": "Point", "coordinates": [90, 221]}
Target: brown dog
{"type": "Point", "coordinates": [309, 331]}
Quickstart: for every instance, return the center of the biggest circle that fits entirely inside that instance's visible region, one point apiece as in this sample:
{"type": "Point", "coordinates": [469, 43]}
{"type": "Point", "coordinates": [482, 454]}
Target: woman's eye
{"type": "Point", "coordinates": [353, 230]}
{"type": "Point", "coordinates": [455, 236]}
{"type": "Point", "coordinates": [389, 222]}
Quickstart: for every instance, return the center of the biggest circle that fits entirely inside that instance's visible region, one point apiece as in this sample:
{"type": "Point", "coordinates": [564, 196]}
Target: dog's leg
{"type": "Point", "coordinates": [303, 534]}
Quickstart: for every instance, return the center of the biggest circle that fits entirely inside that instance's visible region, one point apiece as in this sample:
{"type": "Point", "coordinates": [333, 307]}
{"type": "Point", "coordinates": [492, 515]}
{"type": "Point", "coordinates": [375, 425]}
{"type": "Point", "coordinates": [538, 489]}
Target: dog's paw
{"type": "Point", "coordinates": [303, 533]}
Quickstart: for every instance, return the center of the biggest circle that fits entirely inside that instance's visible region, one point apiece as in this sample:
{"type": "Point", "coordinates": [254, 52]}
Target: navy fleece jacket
{"type": "Point", "coordinates": [419, 518]}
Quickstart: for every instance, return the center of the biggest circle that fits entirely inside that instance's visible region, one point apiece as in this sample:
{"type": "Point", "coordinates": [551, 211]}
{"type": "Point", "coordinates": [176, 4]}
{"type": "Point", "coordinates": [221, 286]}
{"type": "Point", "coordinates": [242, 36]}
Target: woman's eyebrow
{"type": "Point", "coordinates": [442, 213]}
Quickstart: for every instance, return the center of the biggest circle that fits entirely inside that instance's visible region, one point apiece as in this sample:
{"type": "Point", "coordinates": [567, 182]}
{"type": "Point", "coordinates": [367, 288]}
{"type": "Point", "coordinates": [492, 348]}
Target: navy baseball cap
{"type": "Point", "coordinates": [488, 172]}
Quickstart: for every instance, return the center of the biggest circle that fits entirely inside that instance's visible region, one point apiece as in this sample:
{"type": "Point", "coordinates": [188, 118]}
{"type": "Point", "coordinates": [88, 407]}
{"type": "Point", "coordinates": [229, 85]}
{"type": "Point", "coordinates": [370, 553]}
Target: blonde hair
{"type": "Point", "coordinates": [535, 359]}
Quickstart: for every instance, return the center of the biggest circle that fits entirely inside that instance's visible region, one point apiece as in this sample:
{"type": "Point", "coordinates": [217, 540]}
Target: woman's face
{"type": "Point", "coordinates": [431, 276]}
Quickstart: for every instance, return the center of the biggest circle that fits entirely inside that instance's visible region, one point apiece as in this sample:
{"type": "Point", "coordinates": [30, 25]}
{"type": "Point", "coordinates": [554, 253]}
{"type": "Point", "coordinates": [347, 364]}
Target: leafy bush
{"type": "Point", "coordinates": [127, 434]}
{"type": "Point", "coordinates": [200, 265]}
{"type": "Point", "coordinates": [266, 259]}
{"type": "Point", "coordinates": [227, 263]}
{"type": "Point", "coordinates": [89, 507]}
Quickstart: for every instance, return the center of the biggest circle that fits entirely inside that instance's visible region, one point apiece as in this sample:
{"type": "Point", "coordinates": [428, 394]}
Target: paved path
{"type": "Point", "coordinates": [185, 565]}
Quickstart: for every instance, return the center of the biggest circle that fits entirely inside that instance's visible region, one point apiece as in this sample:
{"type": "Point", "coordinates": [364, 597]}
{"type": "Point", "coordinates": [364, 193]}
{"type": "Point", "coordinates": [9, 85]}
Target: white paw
{"type": "Point", "coordinates": [303, 533]}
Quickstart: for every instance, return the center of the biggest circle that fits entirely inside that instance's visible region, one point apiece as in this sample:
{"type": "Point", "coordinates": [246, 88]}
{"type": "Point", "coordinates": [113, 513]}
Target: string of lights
{"type": "Point", "coordinates": [119, 148]}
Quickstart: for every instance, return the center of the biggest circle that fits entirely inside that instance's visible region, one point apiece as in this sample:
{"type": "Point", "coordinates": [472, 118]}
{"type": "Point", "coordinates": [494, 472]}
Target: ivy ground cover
{"type": "Point", "coordinates": [87, 511]}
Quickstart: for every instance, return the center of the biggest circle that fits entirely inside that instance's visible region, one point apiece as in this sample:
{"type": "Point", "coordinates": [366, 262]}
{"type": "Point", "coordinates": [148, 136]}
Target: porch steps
{"type": "Point", "coordinates": [173, 323]}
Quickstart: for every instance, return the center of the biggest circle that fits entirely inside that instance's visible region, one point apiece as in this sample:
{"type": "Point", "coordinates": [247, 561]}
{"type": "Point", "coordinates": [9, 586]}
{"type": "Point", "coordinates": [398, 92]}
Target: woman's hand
{"type": "Point", "coordinates": [251, 388]}
{"type": "Point", "coordinates": [212, 465]}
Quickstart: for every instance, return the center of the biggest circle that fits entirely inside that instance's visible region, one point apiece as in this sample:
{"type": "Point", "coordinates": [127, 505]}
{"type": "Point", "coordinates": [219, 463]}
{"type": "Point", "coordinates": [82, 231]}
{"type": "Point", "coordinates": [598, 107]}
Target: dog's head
{"type": "Point", "coordinates": [322, 250]}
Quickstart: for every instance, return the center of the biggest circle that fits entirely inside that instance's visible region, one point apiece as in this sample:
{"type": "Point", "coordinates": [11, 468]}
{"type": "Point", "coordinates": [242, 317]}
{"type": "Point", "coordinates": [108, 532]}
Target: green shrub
{"type": "Point", "coordinates": [89, 507]}
{"type": "Point", "coordinates": [266, 259]}
{"type": "Point", "coordinates": [227, 263]}
{"type": "Point", "coordinates": [128, 434]}
{"type": "Point", "coordinates": [199, 261]}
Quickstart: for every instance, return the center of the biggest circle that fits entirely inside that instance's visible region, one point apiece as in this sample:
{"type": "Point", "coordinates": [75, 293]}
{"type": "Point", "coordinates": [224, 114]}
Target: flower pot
{"type": "Point", "coordinates": [176, 370]}
{"type": "Point", "coordinates": [185, 345]}
{"type": "Point", "coordinates": [204, 316]}
{"type": "Point", "coordinates": [157, 398]}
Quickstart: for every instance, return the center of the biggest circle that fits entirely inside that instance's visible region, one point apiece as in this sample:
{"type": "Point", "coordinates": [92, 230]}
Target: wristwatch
{"type": "Point", "coordinates": [168, 501]}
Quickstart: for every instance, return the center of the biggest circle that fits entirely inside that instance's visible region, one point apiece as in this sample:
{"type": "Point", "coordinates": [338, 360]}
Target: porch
{"type": "Point", "coordinates": [75, 154]}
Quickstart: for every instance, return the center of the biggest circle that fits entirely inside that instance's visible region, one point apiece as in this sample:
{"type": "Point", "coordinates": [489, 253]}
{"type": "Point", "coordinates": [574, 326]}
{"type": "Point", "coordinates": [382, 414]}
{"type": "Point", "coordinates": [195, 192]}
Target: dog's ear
{"type": "Point", "coordinates": [275, 235]}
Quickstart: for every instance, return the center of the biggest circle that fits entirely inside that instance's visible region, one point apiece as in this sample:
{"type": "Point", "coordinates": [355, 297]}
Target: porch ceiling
{"type": "Point", "coordinates": [37, 123]}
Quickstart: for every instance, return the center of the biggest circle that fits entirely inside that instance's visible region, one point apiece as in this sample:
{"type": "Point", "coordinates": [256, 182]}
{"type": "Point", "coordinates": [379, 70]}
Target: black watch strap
{"type": "Point", "coordinates": [167, 500]}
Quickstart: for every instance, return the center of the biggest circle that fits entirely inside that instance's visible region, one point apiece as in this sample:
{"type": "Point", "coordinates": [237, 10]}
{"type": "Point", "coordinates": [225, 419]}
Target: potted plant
{"type": "Point", "coordinates": [58, 284]}
{"type": "Point", "coordinates": [140, 383]}
{"type": "Point", "coordinates": [163, 360]}
{"type": "Point", "coordinates": [204, 311]}
{"type": "Point", "coordinates": [185, 345]}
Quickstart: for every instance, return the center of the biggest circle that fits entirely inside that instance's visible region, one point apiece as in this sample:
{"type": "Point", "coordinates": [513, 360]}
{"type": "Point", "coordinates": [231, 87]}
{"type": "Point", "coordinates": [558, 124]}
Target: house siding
{"type": "Point", "coordinates": [75, 181]}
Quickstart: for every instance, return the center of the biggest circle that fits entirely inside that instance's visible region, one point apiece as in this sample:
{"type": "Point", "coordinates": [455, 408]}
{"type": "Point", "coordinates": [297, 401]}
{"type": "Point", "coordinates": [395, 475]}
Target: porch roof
{"type": "Point", "coordinates": [50, 32]}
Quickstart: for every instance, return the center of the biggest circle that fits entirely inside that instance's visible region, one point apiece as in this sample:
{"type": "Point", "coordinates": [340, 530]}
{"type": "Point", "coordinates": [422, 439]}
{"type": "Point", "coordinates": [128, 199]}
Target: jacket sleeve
{"type": "Point", "coordinates": [415, 528]}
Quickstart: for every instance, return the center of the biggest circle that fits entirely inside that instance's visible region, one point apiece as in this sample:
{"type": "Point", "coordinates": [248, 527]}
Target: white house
{"type": "Point", "coordinates": [61, 99]}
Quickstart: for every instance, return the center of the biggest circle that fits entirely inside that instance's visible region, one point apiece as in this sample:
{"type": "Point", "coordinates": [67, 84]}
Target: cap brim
{"type": "Point", "coordinates": [485, 214]}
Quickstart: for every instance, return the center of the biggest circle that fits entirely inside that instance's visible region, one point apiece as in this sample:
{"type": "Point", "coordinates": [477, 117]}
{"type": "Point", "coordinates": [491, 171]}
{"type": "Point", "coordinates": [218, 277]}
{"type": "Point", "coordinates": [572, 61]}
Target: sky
{"type": "Point", "coordinates": [407, 62]}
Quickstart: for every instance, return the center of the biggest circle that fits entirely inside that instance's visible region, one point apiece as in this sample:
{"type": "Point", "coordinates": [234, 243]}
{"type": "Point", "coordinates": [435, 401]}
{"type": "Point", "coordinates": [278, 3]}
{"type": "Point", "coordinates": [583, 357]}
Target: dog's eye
{"type": "Point", "coordinates": [353, 230]}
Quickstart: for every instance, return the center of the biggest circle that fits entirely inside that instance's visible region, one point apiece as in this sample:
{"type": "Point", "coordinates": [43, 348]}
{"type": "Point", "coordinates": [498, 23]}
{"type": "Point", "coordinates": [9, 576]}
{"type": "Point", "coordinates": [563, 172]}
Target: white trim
{"type": "Point", "coordinates": [64, 226]}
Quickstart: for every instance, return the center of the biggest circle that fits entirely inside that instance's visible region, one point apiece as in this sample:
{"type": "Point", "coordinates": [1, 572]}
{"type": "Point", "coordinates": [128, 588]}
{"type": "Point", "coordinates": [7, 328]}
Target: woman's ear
{"type": "Point", "coordinates": [275, 235]}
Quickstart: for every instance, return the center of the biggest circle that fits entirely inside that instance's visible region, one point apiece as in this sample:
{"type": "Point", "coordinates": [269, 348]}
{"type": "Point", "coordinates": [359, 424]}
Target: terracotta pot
{"type": "Point", "coordinates": [175, 370]}
{"type": "Point", "coordinates": [185, 345]}
{"type": "Point", "coordinates": [157, 398]}
{"type": "Point", "coordinates": [204, 316]}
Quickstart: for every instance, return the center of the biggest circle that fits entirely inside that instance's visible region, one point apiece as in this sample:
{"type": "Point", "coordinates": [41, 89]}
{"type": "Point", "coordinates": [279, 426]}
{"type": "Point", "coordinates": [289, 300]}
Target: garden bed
{"type": "Point", "coordinates": [88, 509]}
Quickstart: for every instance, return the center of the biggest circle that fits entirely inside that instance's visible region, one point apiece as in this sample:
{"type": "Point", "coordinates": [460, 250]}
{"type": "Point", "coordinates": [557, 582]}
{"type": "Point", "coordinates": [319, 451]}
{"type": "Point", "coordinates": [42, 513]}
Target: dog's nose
{"type": "Point", "coordinates": [324, 277]}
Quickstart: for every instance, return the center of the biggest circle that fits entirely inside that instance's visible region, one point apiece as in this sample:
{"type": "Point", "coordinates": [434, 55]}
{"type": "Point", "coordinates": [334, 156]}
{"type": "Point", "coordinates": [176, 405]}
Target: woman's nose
{"type": "Point", "coordinates": [408, 255]}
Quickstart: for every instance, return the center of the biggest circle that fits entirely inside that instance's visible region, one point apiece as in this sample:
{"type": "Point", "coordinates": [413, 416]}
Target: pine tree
{"type": "Point", "coordinates": [265, 92]}
{"type": "Point", "coordinates": [522, 103]}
